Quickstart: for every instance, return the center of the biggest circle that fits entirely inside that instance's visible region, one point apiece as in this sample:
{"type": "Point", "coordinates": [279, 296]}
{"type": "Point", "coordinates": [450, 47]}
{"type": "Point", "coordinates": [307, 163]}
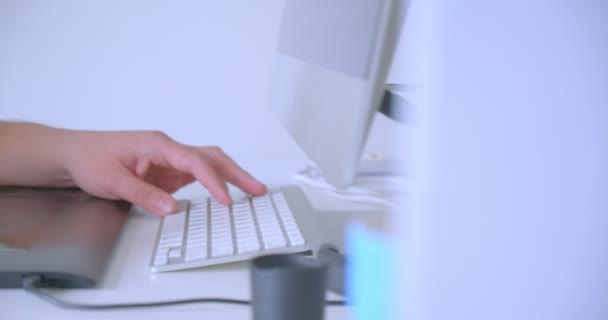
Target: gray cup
{"type": "Point", "coordinates": [289, 286]}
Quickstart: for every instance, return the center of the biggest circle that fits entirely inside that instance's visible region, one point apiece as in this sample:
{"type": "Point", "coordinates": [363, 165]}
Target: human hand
{"type": "Point", "coordinates": [145, 167]}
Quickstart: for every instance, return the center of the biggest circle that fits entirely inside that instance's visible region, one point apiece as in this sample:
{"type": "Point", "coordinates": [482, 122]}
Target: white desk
{"type": "Point", "coordinates": [128, 278]}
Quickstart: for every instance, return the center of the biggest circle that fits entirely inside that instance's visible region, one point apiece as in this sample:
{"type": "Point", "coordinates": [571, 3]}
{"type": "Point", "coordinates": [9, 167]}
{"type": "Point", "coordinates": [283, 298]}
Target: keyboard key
{"type": "Point", "coordinates": [246, 237]}
{"type": "Point", "coordinates": [249, 247]}
{"type": "Point", "coordinates": [274, 241]}
{"type": "Point", "coordinates": [196, 242]}
{"type": "Point", "coordinates": [161, 259]}
{"type": "Point", "coordinates": [296, 239]}
{"type": "Point", "coordinates": [197, 219]}
{"type": "Point", "coordinates": [171, 237]}
{"type": "Point", "coordinates": [198, 209]}
{"type": "Point", "coordinates": [222, 249]}
{"type": "Point", "coordinates": [283, 209]}
{"type": "Point", "coordinates": [270, 228]}
{"type": "Point", "coordinates": [175, 253]}
{"type": "Point", "coordinates": [170, 243]}
{"type": "Point", "coordinates": [199, 229]}
{"type": "Point", "coordinates": [295, 235]}
{"type": "Point", "coordinates": [196, 252]}
{"type": "Point", "coordinates": [174, 223]}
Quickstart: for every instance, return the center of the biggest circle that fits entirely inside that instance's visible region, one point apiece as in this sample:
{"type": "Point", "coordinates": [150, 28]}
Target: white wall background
{"type": "Point", "coordinates": [197, 70]}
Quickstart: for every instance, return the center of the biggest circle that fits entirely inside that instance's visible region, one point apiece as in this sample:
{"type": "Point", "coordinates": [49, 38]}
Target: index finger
{"type": "Point", "coordinates": [232, 172]}
{"type": "Point", "coordinates": [188, 160]}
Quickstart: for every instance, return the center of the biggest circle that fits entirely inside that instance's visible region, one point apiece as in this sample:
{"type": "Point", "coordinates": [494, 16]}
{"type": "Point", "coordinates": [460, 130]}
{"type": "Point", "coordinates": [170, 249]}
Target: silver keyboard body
{"type": "Point", "coordinates": [204, 232]}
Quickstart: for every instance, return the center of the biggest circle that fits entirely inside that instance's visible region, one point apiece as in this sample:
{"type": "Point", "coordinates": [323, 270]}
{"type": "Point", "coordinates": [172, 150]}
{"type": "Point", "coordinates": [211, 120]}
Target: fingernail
{"type": "Point", "coordinates": [165, 205]}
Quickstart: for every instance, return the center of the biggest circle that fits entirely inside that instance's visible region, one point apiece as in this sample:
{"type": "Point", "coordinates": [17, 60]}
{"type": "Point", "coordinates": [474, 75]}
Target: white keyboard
{"type": "Point", "coordinates": [204, 232]}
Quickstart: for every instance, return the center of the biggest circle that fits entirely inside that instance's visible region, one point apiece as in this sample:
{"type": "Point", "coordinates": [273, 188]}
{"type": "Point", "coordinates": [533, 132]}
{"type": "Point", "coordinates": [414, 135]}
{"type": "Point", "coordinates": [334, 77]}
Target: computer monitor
{"type": "Point", "coordinates": [329, 78]}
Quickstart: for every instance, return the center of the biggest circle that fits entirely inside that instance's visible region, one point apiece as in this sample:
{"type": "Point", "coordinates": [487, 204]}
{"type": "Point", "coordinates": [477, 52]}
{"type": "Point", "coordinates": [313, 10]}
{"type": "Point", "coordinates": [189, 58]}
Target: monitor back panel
{"type": "Point", "coordinates": [330, 69]}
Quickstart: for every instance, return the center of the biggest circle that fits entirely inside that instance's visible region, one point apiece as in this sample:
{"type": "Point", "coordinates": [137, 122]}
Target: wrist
{"type": "Point", "coordinates": [33, 155]}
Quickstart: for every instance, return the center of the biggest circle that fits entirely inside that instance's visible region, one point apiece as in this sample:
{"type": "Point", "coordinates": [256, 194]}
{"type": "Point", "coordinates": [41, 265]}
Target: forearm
{"type": "Point", "coordinates": [32, 155]}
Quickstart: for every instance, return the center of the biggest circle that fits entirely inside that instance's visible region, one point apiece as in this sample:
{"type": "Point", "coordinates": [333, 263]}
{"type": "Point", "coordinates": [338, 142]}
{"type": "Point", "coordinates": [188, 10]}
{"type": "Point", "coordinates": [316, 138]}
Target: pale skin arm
{"type": "Point", "coordinates": [142, 167]}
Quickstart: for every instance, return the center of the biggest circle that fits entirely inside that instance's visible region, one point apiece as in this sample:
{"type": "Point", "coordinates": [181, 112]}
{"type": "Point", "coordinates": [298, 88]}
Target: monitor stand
{"type": "Point", "coordinates": [383, 189]}
{"type": "Point", "coordinates": [378, 180]}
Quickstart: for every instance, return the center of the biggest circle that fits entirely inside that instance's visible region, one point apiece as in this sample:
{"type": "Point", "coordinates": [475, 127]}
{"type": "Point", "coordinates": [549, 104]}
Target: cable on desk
{"type": "Point", "coordinates": [32, 283]}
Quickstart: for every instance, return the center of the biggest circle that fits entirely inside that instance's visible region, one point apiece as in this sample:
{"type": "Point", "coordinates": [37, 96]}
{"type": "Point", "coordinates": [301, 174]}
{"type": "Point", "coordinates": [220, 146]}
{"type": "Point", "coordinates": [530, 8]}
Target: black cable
{"type": "Point", "coordinates": [31, 284]}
